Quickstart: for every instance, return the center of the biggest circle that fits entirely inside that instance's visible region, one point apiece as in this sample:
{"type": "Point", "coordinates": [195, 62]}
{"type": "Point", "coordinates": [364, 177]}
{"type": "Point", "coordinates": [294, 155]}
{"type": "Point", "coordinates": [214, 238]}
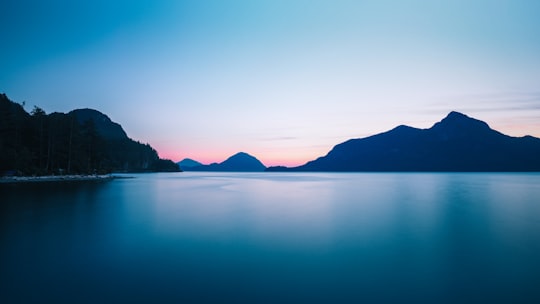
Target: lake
{"type": "Point", "coordinates": [273, 238]}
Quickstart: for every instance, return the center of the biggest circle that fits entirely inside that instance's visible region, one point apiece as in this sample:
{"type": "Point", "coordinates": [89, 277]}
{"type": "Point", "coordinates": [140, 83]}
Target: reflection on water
{"type": "Point", "coordinates": [274, 237]}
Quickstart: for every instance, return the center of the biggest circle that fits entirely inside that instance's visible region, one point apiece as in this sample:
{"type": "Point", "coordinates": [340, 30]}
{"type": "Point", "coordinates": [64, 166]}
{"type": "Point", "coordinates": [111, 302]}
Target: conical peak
{"type": "Point", "coordinates": [456, 119]}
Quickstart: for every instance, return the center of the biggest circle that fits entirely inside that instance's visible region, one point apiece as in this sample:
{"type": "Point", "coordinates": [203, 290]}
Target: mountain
{"type": "Point", "coordinates": [82, 141]}
{"type": "Point", "coordinates": [240, 162]}
{"type": "Point", "coordinates": [455, 144]}
{"type": "Point", "coordinates": [123, 153]}
{"type": "Point", "coordinates": [187, 163]}
{"type": "Point", "coordinates": [103, 124]}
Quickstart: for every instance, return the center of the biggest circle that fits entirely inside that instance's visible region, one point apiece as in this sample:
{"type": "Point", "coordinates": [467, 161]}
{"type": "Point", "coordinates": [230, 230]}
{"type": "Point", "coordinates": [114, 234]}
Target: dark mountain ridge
{"type": "Point", "coordinates": [103, 124]}
{"type": "Point", "coordinates": [83, 141]}
{"type": "Point", "coordinates": [240, 162]}
{"type": "Point", "coordinates": [457, 143]}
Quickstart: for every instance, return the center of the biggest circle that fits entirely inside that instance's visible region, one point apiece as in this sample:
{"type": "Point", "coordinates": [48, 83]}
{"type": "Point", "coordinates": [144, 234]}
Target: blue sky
{"type": "Point", "coordinates": [282, 80]}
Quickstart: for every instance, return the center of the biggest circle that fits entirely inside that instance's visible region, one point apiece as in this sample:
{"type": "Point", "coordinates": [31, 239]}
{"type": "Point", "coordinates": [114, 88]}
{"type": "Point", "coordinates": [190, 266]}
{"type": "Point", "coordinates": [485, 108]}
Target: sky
{"type": "Point", "coordinates": [283, 80]}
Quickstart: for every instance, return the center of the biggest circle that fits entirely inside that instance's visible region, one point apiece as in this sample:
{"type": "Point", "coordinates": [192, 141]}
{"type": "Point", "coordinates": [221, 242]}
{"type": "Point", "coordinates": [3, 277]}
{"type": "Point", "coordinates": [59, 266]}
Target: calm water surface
{"type": "Point", "coordinates": [273, 237]}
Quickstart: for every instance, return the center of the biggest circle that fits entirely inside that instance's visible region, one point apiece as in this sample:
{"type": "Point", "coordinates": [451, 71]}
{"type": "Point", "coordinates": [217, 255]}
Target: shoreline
{"type": "Point", "coordinates": [55, 178]}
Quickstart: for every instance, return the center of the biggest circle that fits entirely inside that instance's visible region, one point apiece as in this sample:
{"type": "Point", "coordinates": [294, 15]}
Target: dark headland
{"type": "Point", "coordinates": [457, 143]}
{"type": "Point", "coordinates": [83, 144]}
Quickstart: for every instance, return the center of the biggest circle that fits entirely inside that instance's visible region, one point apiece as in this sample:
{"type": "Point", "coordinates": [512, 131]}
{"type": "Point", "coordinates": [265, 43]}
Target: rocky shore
{"type": "Point", "coordinates": [54, 178]}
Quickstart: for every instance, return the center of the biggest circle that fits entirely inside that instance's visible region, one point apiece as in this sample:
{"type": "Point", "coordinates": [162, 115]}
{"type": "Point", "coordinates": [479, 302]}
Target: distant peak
{"type": "Point", "coordinates": [402, 127]}
{"type": "Point", "coordinates": [241, 154]}
{"type": "Point", "coordinates": [188, 159]}
{"type": "Point", "coordinates": [188, 162]}
{"type": "Point", "coordinates": [239, 162]}
{"type": "Point", "coordinates": [456, 119]}
{"type": "Point", "coordinates": [455, 115]}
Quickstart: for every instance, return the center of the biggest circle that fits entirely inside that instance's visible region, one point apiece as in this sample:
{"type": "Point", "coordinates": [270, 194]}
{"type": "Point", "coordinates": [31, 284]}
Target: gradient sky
{"type": "Point", "coordinates": [282, 80]}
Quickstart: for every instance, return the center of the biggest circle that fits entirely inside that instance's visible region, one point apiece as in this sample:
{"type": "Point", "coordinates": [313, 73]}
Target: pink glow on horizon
{"type": "Point", "coordinates": [269, 162]}
{"type": "Point", "coordinates": [294, 157]}
{"type": "Point", "coordinates": [218, 157]}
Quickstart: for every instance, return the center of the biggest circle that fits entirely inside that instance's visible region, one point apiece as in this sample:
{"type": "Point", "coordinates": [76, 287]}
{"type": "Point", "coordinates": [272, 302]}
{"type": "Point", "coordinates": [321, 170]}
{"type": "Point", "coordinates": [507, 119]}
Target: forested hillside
{"type": "Point", "coordinates": [38, 143]}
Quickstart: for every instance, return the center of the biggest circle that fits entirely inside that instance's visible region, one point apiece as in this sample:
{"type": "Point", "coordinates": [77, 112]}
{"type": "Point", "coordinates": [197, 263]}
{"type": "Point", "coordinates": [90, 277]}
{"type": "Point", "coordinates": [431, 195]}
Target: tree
{"type": "Point", "coordinates": [39, 117]}
{"type": "Point", "coordinates": [41, 143]}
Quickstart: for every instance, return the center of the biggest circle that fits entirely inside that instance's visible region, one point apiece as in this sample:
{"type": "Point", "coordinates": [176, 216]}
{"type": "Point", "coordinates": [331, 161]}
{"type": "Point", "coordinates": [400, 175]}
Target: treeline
{"type": "Point", "coordinates": [37, 143]}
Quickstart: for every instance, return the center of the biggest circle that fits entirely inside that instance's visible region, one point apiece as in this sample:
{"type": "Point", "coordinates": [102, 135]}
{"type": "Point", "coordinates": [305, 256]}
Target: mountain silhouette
{"type": "Point", "coordinates": [187, 163]}
{"type": "Point", "coordinates": [240, 162]}
{"type": "Point", "coordinates": [83, 141]}
{"type": "Point", "coordinates": [103, 124]}
{"type": "Point", "coordinates": [458, 143]}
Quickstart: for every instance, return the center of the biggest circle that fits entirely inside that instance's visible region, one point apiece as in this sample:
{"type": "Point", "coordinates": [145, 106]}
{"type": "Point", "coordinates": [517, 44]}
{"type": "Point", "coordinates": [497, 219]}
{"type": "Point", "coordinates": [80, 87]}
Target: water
{"type": "Point", "coordinates": [274, 238]}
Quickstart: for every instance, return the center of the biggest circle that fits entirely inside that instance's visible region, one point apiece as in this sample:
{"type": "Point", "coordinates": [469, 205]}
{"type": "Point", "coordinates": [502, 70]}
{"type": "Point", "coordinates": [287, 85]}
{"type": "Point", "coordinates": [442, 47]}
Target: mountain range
{"type": "Point", "coordinates": [88, 141]}
{"type": "Point", "coordinates": [240, 162]}
{"type": "Point", "coordinates": [457, 143]}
